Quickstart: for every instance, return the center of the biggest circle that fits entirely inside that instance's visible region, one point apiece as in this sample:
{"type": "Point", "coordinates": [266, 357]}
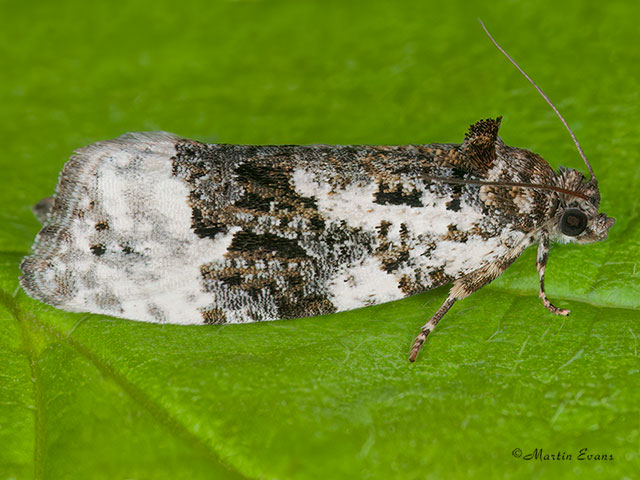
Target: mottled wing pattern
{"type": "Point", "coordinates": [156, 228]}
{"type": "Point", "coordinates": [329, 228]}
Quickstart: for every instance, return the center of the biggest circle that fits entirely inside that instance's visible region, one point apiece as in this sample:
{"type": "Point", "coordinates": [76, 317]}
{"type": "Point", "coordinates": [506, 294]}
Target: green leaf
{"type": "Point", "coordinates": [91, 397]}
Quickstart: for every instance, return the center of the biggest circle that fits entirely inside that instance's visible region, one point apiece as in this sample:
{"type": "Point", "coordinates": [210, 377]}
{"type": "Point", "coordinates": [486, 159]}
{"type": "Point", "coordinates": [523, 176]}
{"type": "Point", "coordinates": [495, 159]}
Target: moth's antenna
{"type": "Point", "coordinates": [575, 140]}
{"type": "Point", "coordinates": [539, 186]}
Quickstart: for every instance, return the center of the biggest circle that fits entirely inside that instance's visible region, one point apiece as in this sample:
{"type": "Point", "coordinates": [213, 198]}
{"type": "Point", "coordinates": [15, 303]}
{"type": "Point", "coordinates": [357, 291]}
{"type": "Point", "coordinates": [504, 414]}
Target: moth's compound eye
{"type": "Point", "coordinates": [573, 222]}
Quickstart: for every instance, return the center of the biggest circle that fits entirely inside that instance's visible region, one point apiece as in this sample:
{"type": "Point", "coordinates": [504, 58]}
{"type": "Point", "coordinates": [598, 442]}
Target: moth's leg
{"type": "Point", "coordinates": [541, 263]}
{"type": "Point", "coordinates": [465, 286]}
{"type": "Point", "coordinates": [429, 326]}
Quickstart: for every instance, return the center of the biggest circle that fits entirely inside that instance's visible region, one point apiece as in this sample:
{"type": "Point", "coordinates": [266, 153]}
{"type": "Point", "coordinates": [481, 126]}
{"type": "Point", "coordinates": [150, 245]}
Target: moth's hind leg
{"type": "Point", "coordinates": [465, 286]}
{"type": "Point", "coordinates": [428, 327]}
{"type": "Point", "coordinates": [541, 263]}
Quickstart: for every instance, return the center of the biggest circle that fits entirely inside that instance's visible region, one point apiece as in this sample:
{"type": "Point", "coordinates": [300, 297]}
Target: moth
{"type": "Point", "coordinates": [158, 228]}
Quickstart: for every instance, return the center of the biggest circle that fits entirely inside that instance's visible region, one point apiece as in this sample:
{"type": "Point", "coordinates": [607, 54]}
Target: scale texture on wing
{"type": "Point", "coordinates": [156, 228]}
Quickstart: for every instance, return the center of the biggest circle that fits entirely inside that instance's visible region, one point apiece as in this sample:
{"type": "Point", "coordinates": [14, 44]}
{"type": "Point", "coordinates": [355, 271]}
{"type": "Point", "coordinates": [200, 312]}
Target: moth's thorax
{"type": "Point", "coordinates": [529, 208]}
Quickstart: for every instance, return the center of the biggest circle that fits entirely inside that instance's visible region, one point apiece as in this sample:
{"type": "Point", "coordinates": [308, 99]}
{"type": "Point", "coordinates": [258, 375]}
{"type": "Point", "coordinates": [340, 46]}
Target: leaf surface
{"type": "Point", "coordinates": [86, 396]}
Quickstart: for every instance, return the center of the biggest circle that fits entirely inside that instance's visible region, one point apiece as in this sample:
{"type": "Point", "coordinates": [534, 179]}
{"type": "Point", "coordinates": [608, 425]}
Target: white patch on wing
{"type": "Point", "coordinates": [524, 201]}
{"type": "Point", "coordinates": [458, 258]}
{"type": "Point", "coordinates": [495, 172]}
{"type": "Point", "coordinates": [132, 188]}
{"type": "Point", "coordinates": [364, 284]}
{"type": "Point", "coordinates": [356, 206]}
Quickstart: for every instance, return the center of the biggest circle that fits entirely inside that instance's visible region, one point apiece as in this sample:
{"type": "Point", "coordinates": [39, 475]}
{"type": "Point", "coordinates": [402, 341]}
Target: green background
{"type": "Point", "coordinates": [85, 396]}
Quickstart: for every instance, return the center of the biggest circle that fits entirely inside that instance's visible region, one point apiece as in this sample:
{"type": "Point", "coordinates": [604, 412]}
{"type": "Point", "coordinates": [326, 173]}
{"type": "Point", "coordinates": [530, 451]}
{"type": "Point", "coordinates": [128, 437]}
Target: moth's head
{"type": "Point", "coordinates": [577, 218]}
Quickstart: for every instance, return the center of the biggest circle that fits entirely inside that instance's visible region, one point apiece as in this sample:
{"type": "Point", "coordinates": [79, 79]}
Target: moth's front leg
{"type": "Point", "coordinates": [543, 255]}
{"type": "Point", "coordinates": [465, 286]}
